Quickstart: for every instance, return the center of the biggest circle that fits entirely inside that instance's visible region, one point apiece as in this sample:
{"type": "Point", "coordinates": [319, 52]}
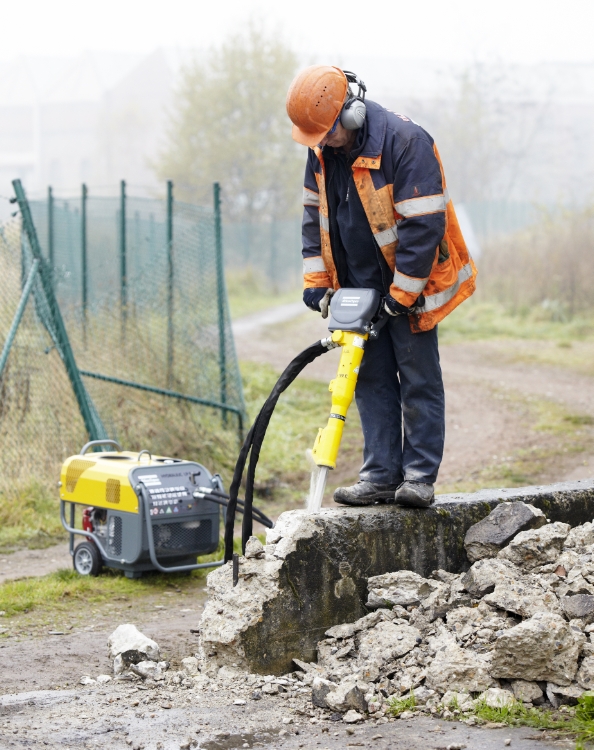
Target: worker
{"type": "Point", "coordinates": [377, 215]}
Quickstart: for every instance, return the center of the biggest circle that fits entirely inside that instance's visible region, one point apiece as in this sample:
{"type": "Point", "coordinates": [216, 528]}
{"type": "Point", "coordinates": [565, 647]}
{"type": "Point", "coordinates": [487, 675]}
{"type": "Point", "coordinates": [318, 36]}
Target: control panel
{"type": "Point", "coordinates": [171, 488]}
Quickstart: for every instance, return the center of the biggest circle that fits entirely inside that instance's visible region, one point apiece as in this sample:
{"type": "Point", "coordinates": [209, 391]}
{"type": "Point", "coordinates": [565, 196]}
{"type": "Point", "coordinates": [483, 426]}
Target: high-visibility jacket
{"type": "Point", "coordinates": [400, 181]}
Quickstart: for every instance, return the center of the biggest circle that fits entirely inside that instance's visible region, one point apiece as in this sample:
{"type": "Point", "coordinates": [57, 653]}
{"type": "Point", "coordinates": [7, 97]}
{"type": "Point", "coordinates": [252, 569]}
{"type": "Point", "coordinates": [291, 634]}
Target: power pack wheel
{"type": "Point", "coordinates": [87, 559]}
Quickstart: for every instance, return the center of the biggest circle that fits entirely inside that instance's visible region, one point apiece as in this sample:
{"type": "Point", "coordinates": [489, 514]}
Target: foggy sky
{"type": "Point", "coordinates": [524, 31]}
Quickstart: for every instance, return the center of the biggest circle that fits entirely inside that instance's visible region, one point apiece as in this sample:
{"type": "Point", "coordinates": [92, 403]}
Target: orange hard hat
{"type": "Point", "coordinates": [314, 101]}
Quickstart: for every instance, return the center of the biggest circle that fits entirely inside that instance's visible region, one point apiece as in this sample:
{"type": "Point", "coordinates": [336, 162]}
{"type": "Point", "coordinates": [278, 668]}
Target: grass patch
{"type": "Point", "coordinates": [398, 705]}
{"type": "Point", "coordinates": [577, 722]}
{"type": "Point", "coordinates": [517, 714]}
{"type": "Point", "coordinates": [29, 516]}
{"type": "Point", "coordinates": [56, 592]}
{"type": "Point", "coordinates": [476, 320]}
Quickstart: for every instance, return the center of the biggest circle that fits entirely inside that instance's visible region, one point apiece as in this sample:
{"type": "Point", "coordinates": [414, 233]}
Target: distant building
{"type": "Point", "coordinates": [96, 118]}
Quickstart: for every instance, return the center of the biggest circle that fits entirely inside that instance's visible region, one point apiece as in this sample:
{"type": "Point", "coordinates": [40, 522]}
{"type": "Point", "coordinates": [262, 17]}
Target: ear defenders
{"type": "Point", "coordinates": [353, 112]}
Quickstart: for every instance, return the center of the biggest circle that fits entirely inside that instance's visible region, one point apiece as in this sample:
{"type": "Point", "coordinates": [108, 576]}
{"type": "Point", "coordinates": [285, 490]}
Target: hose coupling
{"type": "Point", "coordinates": [328, 343]}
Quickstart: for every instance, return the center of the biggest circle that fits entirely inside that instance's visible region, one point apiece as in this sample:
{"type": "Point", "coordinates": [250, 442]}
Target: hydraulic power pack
{"type": "Point", "coordinates": [140, 512]}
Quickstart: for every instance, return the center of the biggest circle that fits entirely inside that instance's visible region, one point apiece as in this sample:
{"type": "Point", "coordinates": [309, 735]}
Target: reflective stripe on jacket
{"type": "Point", "coordinates": [400, 180]}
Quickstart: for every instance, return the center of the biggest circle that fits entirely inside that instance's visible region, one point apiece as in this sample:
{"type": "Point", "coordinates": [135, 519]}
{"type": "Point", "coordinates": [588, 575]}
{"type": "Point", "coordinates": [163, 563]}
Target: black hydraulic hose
{"type": "Point", "coordinates": [253, 443]}
{"type": "Point", "coordinates": [215, 496]}
{"type": "Point", "coordinates": [257, 514]}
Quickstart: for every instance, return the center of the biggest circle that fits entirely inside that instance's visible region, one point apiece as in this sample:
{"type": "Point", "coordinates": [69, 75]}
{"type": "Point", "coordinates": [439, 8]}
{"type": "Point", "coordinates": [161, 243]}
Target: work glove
{"type": "Point", "coordinates": [393, 307]}
{"type": "Point", "coordinates": [318, 299]}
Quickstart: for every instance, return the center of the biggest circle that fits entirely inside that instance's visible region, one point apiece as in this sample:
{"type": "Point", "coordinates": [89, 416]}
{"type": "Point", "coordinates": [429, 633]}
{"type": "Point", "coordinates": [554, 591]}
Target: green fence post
{"type": "Point", "coordinates": [220, 294]}
{"type": "Point", "coordinates": [170, 280]}
{"type": "Point", "coordinates": [84, 267]}
{"type": "Point", "coordinates": [50, 227]}
{"type": "Point", "coordinates": [123, 270]}
{"type": "Point", "coordinates": [91, 419]}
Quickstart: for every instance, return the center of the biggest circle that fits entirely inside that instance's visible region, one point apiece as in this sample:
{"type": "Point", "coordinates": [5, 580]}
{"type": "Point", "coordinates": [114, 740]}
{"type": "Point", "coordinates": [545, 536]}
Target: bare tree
{"type": "Point", "coordinates": [229, 124]}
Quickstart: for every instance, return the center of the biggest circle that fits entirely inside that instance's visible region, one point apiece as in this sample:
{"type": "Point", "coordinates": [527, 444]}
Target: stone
{"type": "Point", "coordinates": [254, 548]}
{"type": "Point", "coordinates": [580, 605]}
{"type": "Point", "coordinates": [544, 647]}
{"type": "Point", "coordinates": [319, 690]}
{"type": "Point", "coordinates": [484, 575]}
{"type": "Point", "coordinates": [103, 679]}
{"type": "Point", "coordinates": [190, 665]}
{"type": "Point", "coordinates": [523, 597]}
{"type": "Point", "coordinates": [559, 693]}
{"type": "Point", "coordinates": [364, 623]}
{"type": "Point", "coordinates": [527, 692]}
{"type": "Point", "coordinates": [423, 694]}
{"type": "Point", "coordinates": [387, 641]}
{"type": "Point", "coordinates": [585, 674]}
{"type": "Point", "coordinates": [352, 717]}
{"type": "Point", "coordinates": [146, 669]}
{"type": "Point", "coordinates": [580, 537]}
{"type": "Point", "coordinates": [497, 697]}
{"type": "Point", "coordinates": [530, 549]}
{"type": "Point", "coordinates": [487, 537]}
{"type": "Point", "coordinates": [87, 680]}
{"type": "Point", "coordinates": [454, 699]}
{"type": "Point", "coordinates": [458, 669]}
{"type": "Point", "coordinates": [315, 570]}
{"type": "Point", "coordinates": [127, 645]}
{"type": "Point", "coordinates": [574, 584]}
{"type": "Point", "coordinates": [346, 696]}
{"type": "Point", "coordinates": [403, 588]}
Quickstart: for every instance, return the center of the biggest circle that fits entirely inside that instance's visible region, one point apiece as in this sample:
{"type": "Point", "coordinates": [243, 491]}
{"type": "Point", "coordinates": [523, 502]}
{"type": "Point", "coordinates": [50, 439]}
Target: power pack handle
{"type": "Point", "coordinates": [92, 443]}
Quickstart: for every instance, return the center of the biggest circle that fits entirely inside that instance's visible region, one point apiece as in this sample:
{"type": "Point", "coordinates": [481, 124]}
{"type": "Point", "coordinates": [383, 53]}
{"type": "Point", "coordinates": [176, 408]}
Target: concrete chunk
{"type": "Point", "coordinates": [544, 647]}
{"type": "Point", "coordinates": [346, 696]}
{"type": "Point", "coordinates": [402, 588]}
{"type": "Point", "coordinates": [530, 549]}
{"type": "Point", "coordinates": [527, 692]}
{"type": "Point", "coordinates": [497, 698]}
{"type": "Point", "coordinates": [523, 597]}
{"type": "Point", "coordinates": [458, 669]}
{"type": "Point", "coordinates": [484, 575]}
{"type": "Point", "coordinates": [580, 605]}
{"type": "Point", "coordinates": [585, 674]}
{"type": "Point", "coordinates": [488, 536]}
{"type": "Point", "coordinates": [581, 537]}
{"type": "Point", "coordinates": [319, 690]}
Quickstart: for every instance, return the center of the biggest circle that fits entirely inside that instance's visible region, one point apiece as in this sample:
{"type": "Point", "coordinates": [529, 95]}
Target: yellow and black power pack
{"type": "Point", "coordinates": [140, 512]}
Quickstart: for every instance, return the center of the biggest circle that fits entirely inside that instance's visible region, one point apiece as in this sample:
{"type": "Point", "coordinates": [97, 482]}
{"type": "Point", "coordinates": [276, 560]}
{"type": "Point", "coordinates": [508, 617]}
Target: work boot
{"type": "Point", "coordinates": [364, 493]}
{"type": "Point", "coordinates": [415, 494]}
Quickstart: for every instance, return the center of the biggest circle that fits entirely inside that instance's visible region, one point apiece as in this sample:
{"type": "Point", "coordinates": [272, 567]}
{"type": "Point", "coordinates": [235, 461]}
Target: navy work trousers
{"type": "Point", "coordinates": [401, 403]}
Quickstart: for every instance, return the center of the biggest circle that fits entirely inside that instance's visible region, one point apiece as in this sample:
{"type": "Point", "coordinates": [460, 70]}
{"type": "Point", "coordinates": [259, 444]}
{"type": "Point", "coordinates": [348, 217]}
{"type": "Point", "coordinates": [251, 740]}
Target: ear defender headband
{"type": "Point", "coordinates": [353, 113]}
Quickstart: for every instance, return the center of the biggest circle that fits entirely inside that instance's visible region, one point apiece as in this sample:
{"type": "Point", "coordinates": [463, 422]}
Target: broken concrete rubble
{"type": "Point", "coordinates": [489, 646]}
{"type": "Point", "coordinates": [313, 573]}
{"type": "Point", "coordinates": [490, 535]}
{"type": "Point", "coordinates": [128, 646]}
{"type": "Point", "coordinates": [527, 692]}
{"type": "Point", "coordinates": [530, 549]}
{"type": "Point", "coordinates": [543, 647]}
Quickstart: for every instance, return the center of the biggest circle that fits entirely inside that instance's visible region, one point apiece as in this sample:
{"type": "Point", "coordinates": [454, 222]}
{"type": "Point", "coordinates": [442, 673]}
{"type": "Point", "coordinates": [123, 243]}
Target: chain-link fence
{"type": "Point", "coordinates": [126, 334]}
